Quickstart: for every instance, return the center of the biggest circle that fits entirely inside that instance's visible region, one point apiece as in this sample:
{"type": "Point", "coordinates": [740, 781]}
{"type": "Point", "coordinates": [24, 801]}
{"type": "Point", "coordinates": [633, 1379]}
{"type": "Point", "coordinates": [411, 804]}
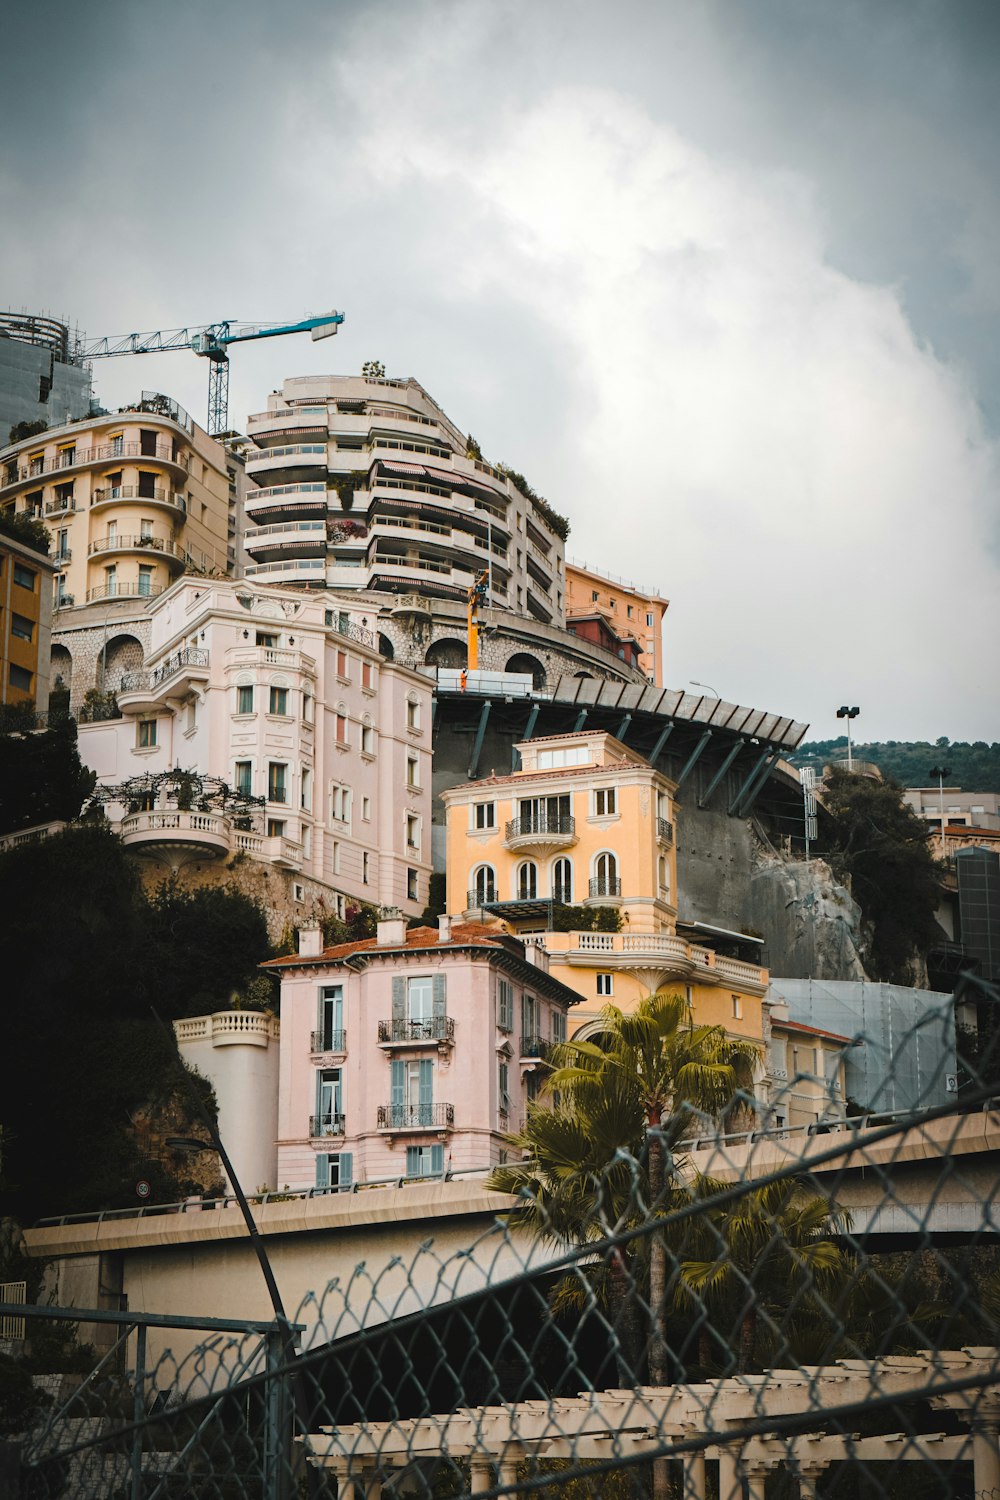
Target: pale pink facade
{"type": "Point", "coordinates": [285, 696]}
{"type": "Point", "coordinates": [409, 1055]}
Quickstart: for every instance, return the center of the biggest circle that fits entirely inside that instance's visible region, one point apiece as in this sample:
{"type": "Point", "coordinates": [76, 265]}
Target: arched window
{"type": "Point", "coordinates": [484, 885]}
{"type": "Point", "coordinates": [562, 881]}
{"type": "Point", "coordinates": [664, 872]}
{"type": "Point", "coordinates": [605, 881]}
{"type": "Point", "coordinates": [527, 880]}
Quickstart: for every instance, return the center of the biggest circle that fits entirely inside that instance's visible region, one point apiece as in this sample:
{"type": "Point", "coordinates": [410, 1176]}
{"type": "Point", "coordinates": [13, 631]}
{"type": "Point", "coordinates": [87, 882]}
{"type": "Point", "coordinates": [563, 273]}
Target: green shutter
{"type": "Point", "coordinates": [526, 1028]}
{"type": "Point", "coordinates": [398, 1082]}
{"type": "Point", "coordinates": [346, 1168]}
{"type": "Point", "coordinates": [426, 1081]}
{"type": "Point", "coordinates": [323, 1170]}
{"type": "Point", "coordinates": [440, 991]}
{"type": "Point", "coordinates": [437, 1160]}
{"type": "Point", "coordinates": [398, 998]}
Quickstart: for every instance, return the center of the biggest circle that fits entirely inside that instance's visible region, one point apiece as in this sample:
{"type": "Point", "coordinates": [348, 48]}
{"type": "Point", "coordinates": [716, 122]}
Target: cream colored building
{"type": "Point", "coordinates": [631, 611]}
{"type": "Point", "coordinates": [131, 500]}
{"type": "Point", "coordinates": [588, 823]}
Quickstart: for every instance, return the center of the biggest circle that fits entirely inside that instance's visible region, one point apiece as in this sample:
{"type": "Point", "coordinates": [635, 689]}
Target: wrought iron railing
{"type": "Point", "coordinates": [665, 831]}
{"type": "Point", "coordinates": [551, 823]}
{"type": "Point", "coordinates": [484, 897]}
{"type": "Point", "coordinates": [415, 1116]}
{"type": "Point", "coordinates": [190, 656]}
{"type": "Point", "coordinates": [328, 1041]}
{"type": "Point", "coordinates": [323, 1125]}
{"type": "Point", "coordinates": [535, 1046]}
{"type": "Point", "coordinates": [437, 1029]}
{"type": "Point", "coordinates": [606, 885]}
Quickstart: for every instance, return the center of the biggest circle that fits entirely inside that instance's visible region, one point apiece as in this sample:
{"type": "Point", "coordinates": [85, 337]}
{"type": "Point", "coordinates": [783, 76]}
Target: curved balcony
{"type": "Point", "coordinates": [286, 459]}
{"type": "Point", "coordinates": [162, 452]}
{"type": "Point", "coordinates": [168, 834]}
{"type": "Point", "coordinates": [173, 678]}
{"type": "Point", "coordinates": [605, 888]}
{"type": "Point", "coordinates": [309, 569]}
{"type": "Point", "coordinates": [124, 591]}
{"type": "Point", "coordinates": [172, 552]}
{"type": "Point", "coordinates": [408, 1117]}
{"type": "Point", "coordinates": [660, 958]}
{"type": "Point", "coordinates": [268, 426]}
{"type": "Point", "coordinates": [171, 500]}
{"type": "Point", "coordinates": [543, 831]}
{"type": "Point", "coordinates": [287, 539]}
{"type": "Point", "coordinates": [291, 501]}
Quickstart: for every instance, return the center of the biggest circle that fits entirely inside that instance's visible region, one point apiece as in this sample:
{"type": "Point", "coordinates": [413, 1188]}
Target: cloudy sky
{"type": "Point", "coordinates": [721, 277]}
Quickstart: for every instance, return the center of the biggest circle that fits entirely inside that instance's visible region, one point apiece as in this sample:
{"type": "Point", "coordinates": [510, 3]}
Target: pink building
{"type": "Point", "coordinates": [411, 1053]}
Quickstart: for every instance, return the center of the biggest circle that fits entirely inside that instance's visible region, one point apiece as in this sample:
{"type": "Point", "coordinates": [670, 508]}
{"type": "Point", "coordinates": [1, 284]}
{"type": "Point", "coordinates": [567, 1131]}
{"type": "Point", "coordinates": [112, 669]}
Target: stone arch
{"type": "Point", "coordinates": [60, 667]}
{"type": "Point", "coordinates": [447, 652]}
{"type": "Point", "coordinates": [524, 662]}
{"type": "Point", "coordinates": [588, 675]}
{"type": "Point", "coordinates": [385, 646]}
{"type": "Point", "coordinates": [121, 654]}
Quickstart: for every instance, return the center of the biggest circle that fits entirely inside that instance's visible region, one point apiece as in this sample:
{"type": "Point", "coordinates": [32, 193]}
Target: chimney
{"type": "Point", "coordinates": [444, 929]}
{"type": "Point", "coordinates": [310, 942]}
{"type": "Point", "coordinates": [390, 930]}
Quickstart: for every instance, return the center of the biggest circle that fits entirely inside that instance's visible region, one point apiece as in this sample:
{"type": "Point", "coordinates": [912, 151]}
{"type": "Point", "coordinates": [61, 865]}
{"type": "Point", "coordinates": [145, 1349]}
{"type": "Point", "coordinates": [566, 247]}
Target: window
{"type": "Point", "coordinates": [24, 577]}
{"type": "Point", "coordinates": [191, 716]}
{"type": "Point", "coordinates": [650, 621]}
{"type": "Point", "coordinates": [605, 882]}
{"type": "Point", "coordinates": [629, 611]}
{"type": "Point", "coordinates": [412, 831]}
{"type": "Point", "coordinates": [340, 803]}
{"type": "Point", "coordinates": [244, 777]}
{"type": "Point", "coordinates": [276, 828]}
{"type": "Point", "coordinates": [503, 1087]}
{"type": "Point", "coordinates": [367, 738]}
{"type": "Point", "coordinates": [527, 881]}
{"type": "Point", "coordinates": [558, 1020]}
{"type": "Point", "coordinates": [147, 485]}
{"type": "Point", "coordinates": [413, 713]}
{"type": "Point", "coordinates": [531, 1024]}
{"type": "Point", "coordinates": [412, 1093]}
{"type": "Point", "coordinates": [594, 596]}
{"type": "Point", "coordinates": [145, 531]}
{"type": "Point", "coordinates": [335, 859]}
{"type": "Point", "coordinates": [562, 881]}
{"type": "Point", "coordinates": [329, 1103]}
{"type": "Point", "coordinates": [663, 875]}
{"type": "Point", "coordinates": [62, 543]}
{"type": "Point", "coordinates": [605, 984]}
{"type": "Point", "coordinates": [737, 1008]}
{"type": "Point", "coordinates": [145, 580]}
{"type": "Point", "coordinates": [367, 677]}
{"type": "Point", "coordinates": [334, 1170]}
{"type": "Point", "coordinates": [412, 771]}
{"type": "Point", "coordinates": [570, 755]}
{"type": "Point", "coordinates": [366, 809]}
{"type": "Point", "coordinates": [412, 885]}
{"type": "Point", "coordinates": [278, 702]}
{"type": "Point", "coordinates": [277, 784]}
{"type": "Point", "coordinates": [331, 1018]}
{"type": "Point", "coordinates": [146, 734]}
{"type": "Point", "coordinates": [306, 793]}
{"type": "Point", "coordinates": [425, 1161]}
{"type": "Point", "coordinates": [605, 801]}
{"type": "Point", "coordinates": [365, 868]}
{"type": "Point", "coordinates": [340, 726]}
{"type": "Point", "coordinates": [485, 815]}
{"type": "Point", "coordinates": [19, 677]}
{"type": "Point", "coordinates": [117, 444]}
{"type": "Point", "coordinates": [341, 663]}
{"type": "Point", "coordinates": [505, 1005]}
{"type": "Point", "coordinates": [22, 628]}
{"type": "Point", "coordinates": [307, 708]}
{"type": "Point", "coordinates": [266, 638]}
{"type": "Point", "coordinates": [484, 885]}
{"type": "Point", "coordinates": [544, 814]}
{"type": "Point", "coordinates": [244, 699]}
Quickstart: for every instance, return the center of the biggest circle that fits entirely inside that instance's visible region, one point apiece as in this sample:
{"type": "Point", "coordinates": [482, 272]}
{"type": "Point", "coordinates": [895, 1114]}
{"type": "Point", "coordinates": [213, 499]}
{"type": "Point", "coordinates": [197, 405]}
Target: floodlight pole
{"type": "Point", "coordinates": [941, 772]}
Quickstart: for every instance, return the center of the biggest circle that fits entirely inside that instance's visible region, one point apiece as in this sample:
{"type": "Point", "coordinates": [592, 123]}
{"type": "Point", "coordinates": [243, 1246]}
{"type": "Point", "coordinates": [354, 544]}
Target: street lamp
{"type": "Point", "coordinates": [703, 685]}
{"type": "Point", "coordinates": [848, 713]}
{"type": "Point", "coordinates": [941, 772]}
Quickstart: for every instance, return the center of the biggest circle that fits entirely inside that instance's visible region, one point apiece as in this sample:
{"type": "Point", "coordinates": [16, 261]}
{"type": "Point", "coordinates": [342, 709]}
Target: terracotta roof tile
{"type": "Point", "coordinates": [463, 935]}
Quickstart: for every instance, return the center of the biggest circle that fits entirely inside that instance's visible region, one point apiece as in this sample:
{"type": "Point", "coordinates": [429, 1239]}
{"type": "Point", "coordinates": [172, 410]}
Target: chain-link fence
{"type": "Point", "coordinates": [728, 1315]}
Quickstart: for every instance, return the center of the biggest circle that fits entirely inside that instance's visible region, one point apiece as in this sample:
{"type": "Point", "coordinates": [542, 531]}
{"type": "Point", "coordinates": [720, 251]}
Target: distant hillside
{"type": "Point", "coordinates": [975, 767]}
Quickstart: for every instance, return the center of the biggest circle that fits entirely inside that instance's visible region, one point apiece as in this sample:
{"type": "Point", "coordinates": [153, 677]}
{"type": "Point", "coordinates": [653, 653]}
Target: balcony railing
{"type": "Point", "coordinates": [542, 823]}
{"type": "Point", "coordinates": [437, 1029]}
{"type": "Point", "coordinates": [415, 1116]}
{"type": "Point", "coordinates": [163, 453]}
{"type": "Point", "coordinates": [347, 628]}
{"type": "Point", "coordinates": [322, 1125]}
{"type": "Point", "coordinates": [135, 492]}
{"type": "Point", "coordinates": [328, 1041]}
{"type": "Point", "coordinates": [665, 831]}
{"type": "Point", "coordinates": [190, 656]}
{"type": "Point", "coordinates": [133, 543]}
{"type": "Point", "coordinates": [481, 898]}
{"type": "Point", "coordinates": [606, 885]}
{"type": "Point", "coordinates": [60, 507]}
{"type": "Point", "coordinates": [535, 1046]}
{"type": "Point", "coordinates": [124, 591]}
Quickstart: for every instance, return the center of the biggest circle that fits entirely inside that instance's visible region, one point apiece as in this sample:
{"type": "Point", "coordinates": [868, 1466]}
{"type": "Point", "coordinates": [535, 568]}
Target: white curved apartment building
{"type": "Point", "coordinates": [365, 483]}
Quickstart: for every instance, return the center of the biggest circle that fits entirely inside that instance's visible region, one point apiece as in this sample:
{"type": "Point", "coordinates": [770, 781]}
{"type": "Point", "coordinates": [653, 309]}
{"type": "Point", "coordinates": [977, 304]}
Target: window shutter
{"type": "Point", "coordinates": [525, 1016]}
{"type": "Point", "coordinates": [398, 1082]}
{"type": "Point", "coordinates": [426, 1081]}
{"type": "Point", "coordinates": [398, 998]}
{"type": "Point", "coordinates": [346, 1168]}
{"type": "Point", "coordinates": [437, 1160]}
{"type": "Point", "coordinates": [323, 1170]}
{"type": "Point", "coordinates": [440, 991]}
{"type": "Point", "coordinates": [413, 1161]}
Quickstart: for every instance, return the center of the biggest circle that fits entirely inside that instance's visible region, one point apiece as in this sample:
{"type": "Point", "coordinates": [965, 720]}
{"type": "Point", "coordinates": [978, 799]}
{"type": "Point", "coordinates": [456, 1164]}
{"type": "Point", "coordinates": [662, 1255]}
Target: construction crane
{"type": "Point", "coordinates": [211, 341]}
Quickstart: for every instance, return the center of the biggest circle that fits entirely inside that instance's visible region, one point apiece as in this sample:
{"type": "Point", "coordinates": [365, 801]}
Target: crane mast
{"type": "Point", "coordinates": [211, 341]}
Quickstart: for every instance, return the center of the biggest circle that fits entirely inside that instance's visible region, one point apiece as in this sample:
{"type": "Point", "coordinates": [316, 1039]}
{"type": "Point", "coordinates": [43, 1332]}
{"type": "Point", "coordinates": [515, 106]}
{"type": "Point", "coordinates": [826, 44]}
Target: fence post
{"type": "Point", "coordinates": [277, 1418]}
{"type": "Point", "coordinates": [138, 1408]}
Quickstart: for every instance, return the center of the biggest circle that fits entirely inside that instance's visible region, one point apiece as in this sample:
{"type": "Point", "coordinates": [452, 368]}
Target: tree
{"type": "Point", "coordinates": [41, 775]}
{"type": "Point", "coordinates": [26, 529]}
{"type": "Point", "coordinates": [27, 429]}
{"type": "Point", "coordinates": [882, 847]}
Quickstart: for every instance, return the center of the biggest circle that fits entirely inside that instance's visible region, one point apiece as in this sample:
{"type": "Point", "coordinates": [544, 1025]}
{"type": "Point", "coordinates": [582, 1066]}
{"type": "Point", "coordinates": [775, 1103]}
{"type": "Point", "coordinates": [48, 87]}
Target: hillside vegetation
{"type": "Point", "coordinates": [974, 767]}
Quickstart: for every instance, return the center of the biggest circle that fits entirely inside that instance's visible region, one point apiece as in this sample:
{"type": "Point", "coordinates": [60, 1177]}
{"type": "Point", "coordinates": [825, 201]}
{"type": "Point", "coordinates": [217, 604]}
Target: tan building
{"type": "Point", "coordinates": [584, 834]}
{"type": "Point", "coordinates": [25, 622]}
{"type": "Point", "coordinates": [631, 612]}
{"type": "Point", "coordinates": [131, 501]}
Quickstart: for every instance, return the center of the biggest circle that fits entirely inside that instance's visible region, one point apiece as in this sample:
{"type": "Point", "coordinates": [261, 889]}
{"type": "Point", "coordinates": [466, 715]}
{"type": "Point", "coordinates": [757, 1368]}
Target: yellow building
{"type": "Point", "coordinates": [806, 1072]}
{"type": "Point", "coordinates": [25, 621]}
{"type": "Point", "coordinates": [577, 851]}
{"type": "Point", "coordinates": [631, 612]}
{"type": "Point", "coordinates": [130, 500]}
